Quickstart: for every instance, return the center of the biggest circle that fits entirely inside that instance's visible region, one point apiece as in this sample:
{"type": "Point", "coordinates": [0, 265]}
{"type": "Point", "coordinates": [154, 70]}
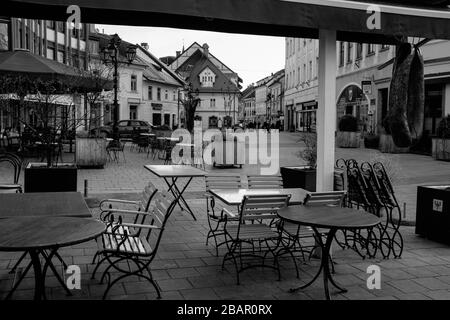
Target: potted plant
{"type": "Point", "coordinates": [441, 143]}
{"type": "Point", "coordinates": [303, 176]}
{"type": "Point", "coordinates": [386, 143]}
{"type": "Point", "coordinates": [371, 140]}
{"type": "Point", "coordinates": [348, 135]}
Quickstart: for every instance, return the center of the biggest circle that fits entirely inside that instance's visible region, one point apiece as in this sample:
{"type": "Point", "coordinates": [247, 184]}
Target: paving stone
{"type": "Point", "coordinates": [438, 294]}
{"type": "Point", "coordinates": [432, 283]}
{"type": "Point", "coordinates": [182, 272]}
{"type": "Point", "coordinates": [174, 284]}
{"type": "Point", "coordinates": [412, 296]}
{"type": "Point", "coordinates": [407, 286]}
{"type": "Point", "coordinates": [199, 294]}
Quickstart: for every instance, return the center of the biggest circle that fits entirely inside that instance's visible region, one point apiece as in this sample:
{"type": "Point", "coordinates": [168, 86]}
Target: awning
{"type": "Point", "coordinates": [297, 18]}
{"type": "Point", "coordinates": [20, 67]}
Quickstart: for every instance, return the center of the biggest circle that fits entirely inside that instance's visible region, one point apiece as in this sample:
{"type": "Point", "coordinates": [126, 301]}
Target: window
{"type": "Point", "coordinates": [166, 95]}
{"type": "Point", "coordinates": [212, 103]}
{"type": "Point", "coordinates": [317, 67]}
{"type": "Point", "coordinates": [349, 52]}
{"type": "Point", "coordinates": [341, 53]}
{"type": "Point", "coordinates": [370, 49]}
{"type": "Point", "coordinates": [50, 53]}
{"type": "Point", "coordinates": [174, 95]}
{"type": "Point", "coordinates": [156, 119]}
{"type": "Point", "coordinates": [51, 24]}
{"type": "Point", "coordinates": [4, 42]}
{"type": "Point", "coordinates": [133, 116]}
{"type": "Point", "coordinates": [304, 73]}
{"type": "Point", "coordinates": [150, 93]}
{"type": "Point", "coordinates": [358, 51]}
{"type": "Point", "coordinates": [158, 94]}
{"type": "Point", "coordinates": [298, 75]}
{"type": "Point", "coordinates": [133, 82]}
{"type": "Point", "coordinates": [60, 26]}
{"type": "Point", "coordinates": [60, 56]}
{"type": "Point", "coordinates": [310, 70]}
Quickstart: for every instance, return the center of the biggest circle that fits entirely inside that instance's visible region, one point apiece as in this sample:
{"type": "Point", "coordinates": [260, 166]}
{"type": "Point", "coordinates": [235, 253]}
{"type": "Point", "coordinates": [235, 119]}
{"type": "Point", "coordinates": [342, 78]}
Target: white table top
{"type": "Point", "coordinates": [234, 197]}
{"type": "Point", "coordinates": [147, 134]}
{"type": "Point", "coordinates": [169, 171]}
{"type": "Point", "coordinates": [168, 138]}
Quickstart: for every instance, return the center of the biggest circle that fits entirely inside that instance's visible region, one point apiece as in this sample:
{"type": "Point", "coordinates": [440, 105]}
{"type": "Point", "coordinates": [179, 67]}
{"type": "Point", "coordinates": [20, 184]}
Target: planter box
{"type": "Point", "coordinates": [440, 149]}
{"type": "Point", "coordinates": [39, 178]}
{"type": "Point", "coordinates": [387, 145]}
{"type": "Point", "coordinates": [229, 153]}
{"type": "Point", "coordinates": [91, 152]}
{"type": "Point", "coordinates": [347, 139]}
{"type": "Point", "coordinates": [433, 212]}
{"type": "Point", "coordinates": [299, 177]}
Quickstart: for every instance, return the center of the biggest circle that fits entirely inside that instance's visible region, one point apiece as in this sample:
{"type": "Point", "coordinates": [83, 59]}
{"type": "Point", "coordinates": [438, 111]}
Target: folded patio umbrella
{"type": "Point", "coordinates": [21, 68]}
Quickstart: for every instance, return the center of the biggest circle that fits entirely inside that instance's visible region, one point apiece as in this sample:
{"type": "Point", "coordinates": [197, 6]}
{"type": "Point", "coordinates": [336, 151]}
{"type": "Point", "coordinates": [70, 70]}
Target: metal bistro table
{"type": "Point", "coordinates": [34, 235]}
{"type": "Point", "coordinates": [174, 172]}
{"type": "Point", "coordinates": [332, 218]}
{"type": "Point", "coordinates": [234, 197]}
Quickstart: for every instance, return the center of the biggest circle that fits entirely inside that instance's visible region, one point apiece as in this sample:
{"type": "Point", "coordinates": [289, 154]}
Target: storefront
{"type": "Point", "coordinates": [306, 116]}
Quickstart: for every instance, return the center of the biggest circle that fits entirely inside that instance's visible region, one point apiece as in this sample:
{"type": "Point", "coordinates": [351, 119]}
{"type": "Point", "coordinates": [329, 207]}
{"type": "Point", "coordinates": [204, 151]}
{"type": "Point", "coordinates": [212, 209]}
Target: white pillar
{"type": "Point", "coordinates": [447, 100]}
{"type": "Point", "coordinates": [326, 111]}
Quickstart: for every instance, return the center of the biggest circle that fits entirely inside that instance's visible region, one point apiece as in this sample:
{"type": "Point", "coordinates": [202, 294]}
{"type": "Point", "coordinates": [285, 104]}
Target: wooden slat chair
{"type": "Point", "coordinates": [265, 182]}
{"type": "Point", "coordinates": [135, 247]}
{"type": "Point", "coordinates": [294, 234]}
{"type": "Point", "coordinates": [253, 237]}
{"type": "Point", "coordinates": [216, 219]}
{"type": "Point", "coordinates": [16, 163]}
{"type": "Point", "coordinates": [110, 206]}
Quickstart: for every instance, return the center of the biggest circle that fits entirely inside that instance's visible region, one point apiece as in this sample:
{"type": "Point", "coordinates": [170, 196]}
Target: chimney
{"type": "Point", "coordinates": [145, 45]}
{"type": "Point", "coordinates": [206, 49]}
{"type": "Point", "coordinates": [178, 53]}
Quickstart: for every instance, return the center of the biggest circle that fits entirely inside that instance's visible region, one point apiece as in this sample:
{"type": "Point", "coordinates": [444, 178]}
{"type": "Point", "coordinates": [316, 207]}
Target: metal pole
{"type": "Point", "coordinates": [116, 104]}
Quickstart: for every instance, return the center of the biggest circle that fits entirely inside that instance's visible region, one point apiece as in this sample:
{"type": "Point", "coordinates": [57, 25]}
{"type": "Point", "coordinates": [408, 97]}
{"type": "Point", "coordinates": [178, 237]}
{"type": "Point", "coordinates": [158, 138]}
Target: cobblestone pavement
{"type": "Point", "coordinates": [185, 268]}
{"type": "Point", "coordinates": [129, 176]}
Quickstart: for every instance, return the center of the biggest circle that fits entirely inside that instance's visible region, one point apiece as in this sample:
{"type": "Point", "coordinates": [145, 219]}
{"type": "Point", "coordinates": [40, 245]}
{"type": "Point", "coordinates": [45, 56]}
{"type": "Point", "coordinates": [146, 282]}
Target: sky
{"type": "Point", "coordinates": [251, 57]}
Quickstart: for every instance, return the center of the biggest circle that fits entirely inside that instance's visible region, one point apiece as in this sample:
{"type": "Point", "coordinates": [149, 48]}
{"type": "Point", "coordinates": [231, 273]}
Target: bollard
{"type": "Point", "coordinates": [85, 188]}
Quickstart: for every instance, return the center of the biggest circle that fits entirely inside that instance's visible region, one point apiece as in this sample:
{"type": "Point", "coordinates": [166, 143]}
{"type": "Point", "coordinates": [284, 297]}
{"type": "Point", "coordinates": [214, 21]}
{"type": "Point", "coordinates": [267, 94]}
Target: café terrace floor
{"type": "Point", "coordinates": [185, 268]}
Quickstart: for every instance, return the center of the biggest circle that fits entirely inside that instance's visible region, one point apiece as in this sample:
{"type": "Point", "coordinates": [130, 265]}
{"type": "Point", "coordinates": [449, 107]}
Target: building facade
{"type": "Point", "coordinates": [247, 110]}
{"type": "Point", "coordinates": [54, 40]}
{"type": "Point", "coordinates": [359, 63]}
{"type": "Point", "coordinates": [218, 87]}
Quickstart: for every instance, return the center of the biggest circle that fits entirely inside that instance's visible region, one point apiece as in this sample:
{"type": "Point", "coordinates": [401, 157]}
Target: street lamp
{"type": "Point", "coordinates": [110, 54]}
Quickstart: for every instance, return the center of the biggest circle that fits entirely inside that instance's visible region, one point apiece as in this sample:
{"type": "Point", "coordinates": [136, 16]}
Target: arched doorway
{"type": "Point", "coordinates": [353, 101]}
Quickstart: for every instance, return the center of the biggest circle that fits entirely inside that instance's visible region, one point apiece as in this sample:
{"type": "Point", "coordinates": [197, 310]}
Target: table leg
{"type": "Point", "coordinates": [178, 194]}
{"type": "Point", "coordinates": [324, 265]}
{"type": "Point", "coordinates": [39, 288]}
{"type": "Point", "coordinates": [48, 263]}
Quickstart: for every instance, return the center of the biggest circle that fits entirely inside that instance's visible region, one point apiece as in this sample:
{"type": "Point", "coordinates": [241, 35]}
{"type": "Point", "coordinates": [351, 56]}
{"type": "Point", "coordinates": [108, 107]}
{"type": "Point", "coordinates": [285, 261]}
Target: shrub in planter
{"type": "Point", "coordinates": [371, 141]}
{"type": "Point", "coordinates": [441, 143]}
{"type": "Point", "coordinates": [347, 136]}
{"type": "Point", "coordinates": [386, 144]}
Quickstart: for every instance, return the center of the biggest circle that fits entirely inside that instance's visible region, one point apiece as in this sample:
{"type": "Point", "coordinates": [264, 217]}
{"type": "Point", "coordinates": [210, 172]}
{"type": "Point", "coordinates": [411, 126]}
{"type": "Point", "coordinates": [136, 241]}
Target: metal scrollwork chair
{"type": "Point", "coordinates": [293, 234]}
{"type": "Point", "coordinates": [253, 238]}
{"type": "Point", "coordinates": [133, 244]}
{"type": "Point", "coordinates": [216, 219]}
{"type": "Point", "coordinates": [16, 164]}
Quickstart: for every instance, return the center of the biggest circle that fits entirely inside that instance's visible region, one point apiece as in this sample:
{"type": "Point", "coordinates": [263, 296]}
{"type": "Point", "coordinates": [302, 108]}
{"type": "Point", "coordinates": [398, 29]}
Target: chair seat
{"type": "Point", "coordinates": [132, 245]}
{"type": "Point", "coordinates": [252, 231]}
{"type": "Point", "coordinates": [10, 186]}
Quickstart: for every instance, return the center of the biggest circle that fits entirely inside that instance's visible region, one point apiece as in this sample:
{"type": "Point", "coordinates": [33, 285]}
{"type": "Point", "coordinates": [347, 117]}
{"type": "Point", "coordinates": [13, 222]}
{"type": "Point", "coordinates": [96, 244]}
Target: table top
{"type": "Point", "coordinates": [235, 196]}
{"type": "Point", "coordinates": [147, 134]}
{"type": "Point", "coordinates": [69, 204]}
{"type": "Point", "coordinates": [23, 233]}
{"type": "Point", "coordinates": [329, 217]}
{"type": "Point", "coordinates": [175, 171]}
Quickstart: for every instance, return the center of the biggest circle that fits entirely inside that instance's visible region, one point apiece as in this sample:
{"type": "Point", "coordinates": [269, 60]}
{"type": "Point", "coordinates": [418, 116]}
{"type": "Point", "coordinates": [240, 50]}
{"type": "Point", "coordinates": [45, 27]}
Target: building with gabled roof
{"type": "Point", "coordinates": [217, 85]}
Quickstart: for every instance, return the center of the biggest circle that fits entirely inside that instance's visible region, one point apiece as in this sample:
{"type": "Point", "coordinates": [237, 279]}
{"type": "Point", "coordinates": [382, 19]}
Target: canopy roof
{"type": "Point", "coordinates": [22, 66]}
{"type": "Point", "coordinates": [297, 18]}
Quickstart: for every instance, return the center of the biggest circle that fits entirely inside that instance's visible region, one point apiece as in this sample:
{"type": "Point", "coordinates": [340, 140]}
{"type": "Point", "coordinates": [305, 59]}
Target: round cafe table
{"type": "Point", "coordinates": [36, 235]}
{"type": "Point", "coordinates": [333, 219]}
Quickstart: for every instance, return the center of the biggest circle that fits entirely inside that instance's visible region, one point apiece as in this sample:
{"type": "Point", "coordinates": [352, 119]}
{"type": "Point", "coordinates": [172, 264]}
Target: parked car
{"type": "Point", "coordinates": [126, 128]}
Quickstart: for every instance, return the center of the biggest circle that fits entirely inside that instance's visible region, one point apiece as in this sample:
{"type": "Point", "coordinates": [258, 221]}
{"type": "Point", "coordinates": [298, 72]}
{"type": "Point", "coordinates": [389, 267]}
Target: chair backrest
{"type": "Point", "coordinates": [16, 163]}
{"type": "Point", "coordinates": [147, 195]}
{"type": "Point", "coordinates": [331, 198]}
{"type": "Point", "coordinates": [265, 182]}
{"type": "Point", "coordinates": [222, 182]}
{"type": "Point", "coordinates": [160, 213]}
{"type": "Point", "coordinates": [262, 207]}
